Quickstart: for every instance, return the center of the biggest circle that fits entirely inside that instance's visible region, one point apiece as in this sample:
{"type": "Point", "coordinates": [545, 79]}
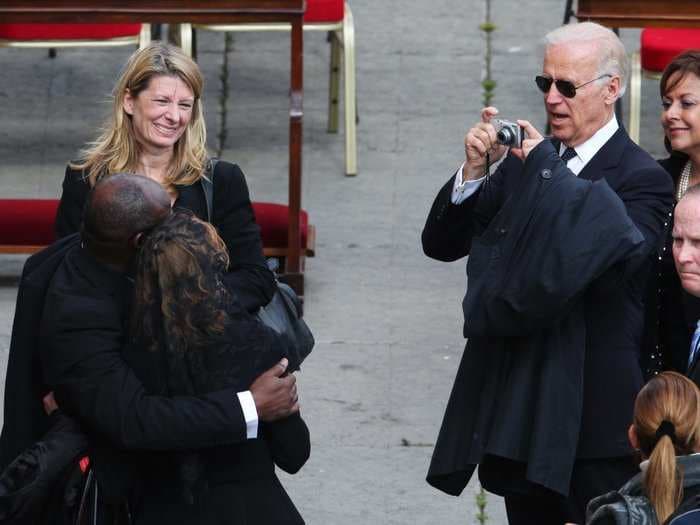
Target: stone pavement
{"type": "Point", "coordinates": [387, 319]}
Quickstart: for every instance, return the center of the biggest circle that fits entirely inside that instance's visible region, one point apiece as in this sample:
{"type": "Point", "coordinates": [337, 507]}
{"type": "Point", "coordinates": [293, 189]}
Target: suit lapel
{"type": "Point", "coordinates": [607, 158]}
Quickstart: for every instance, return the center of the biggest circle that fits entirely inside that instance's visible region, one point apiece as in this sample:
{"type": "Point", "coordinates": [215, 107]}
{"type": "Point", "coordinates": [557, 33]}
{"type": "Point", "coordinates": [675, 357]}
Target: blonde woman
{"type": "Point", "coordinates": [666, 431]}
{"type": "Point", "coordinates": [156, 128]}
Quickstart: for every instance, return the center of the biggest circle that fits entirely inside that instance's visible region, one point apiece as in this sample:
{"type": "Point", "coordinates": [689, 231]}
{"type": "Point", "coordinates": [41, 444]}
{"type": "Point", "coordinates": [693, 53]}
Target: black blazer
{"type": "Point", "coordinates": [248, 276]}
{"type": "Point", "coordinates": [83, 333]}
{"type": "Point", "coordinates": [673, 312]}
{"type": "Point", "coordinates": [612, 303]}
{"type": "Point", "coordinates": [231, 480]}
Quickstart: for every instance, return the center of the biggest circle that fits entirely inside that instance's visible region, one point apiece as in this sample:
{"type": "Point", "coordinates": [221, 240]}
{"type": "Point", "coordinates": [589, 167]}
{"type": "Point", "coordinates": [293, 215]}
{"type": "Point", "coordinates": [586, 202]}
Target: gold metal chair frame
{"type": "Point", "coordinates": [342, 38]}
{"type": "Point", "coordinates": [142, 39]}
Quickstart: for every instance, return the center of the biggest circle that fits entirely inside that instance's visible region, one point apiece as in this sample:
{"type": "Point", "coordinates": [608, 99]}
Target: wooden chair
{"type": "Point", "coordinates": [53, 36]}
{"type": "Point", "coordinates": [334, 17]}
{"type": "Point", "coordinates": [27, 226]}
{"type": "Point", "coordinates": [657, 48]}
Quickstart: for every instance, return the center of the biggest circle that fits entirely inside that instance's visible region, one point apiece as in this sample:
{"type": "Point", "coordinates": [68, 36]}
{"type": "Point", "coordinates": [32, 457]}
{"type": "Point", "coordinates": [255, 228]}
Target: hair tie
{"type": "Point", "coordinates": [666, 428]}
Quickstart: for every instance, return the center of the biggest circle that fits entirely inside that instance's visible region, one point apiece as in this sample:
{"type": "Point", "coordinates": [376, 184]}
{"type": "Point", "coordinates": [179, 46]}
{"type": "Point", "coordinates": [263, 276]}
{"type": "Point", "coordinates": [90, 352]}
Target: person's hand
{"type": "Point", "coordinates": [533, 139]}
{"type": "Point", "coordinates": [49, 403]}
{"type": "Point", "coordinates": [275, 396]}
{"type": "Point", "coordinates": [479, 142]}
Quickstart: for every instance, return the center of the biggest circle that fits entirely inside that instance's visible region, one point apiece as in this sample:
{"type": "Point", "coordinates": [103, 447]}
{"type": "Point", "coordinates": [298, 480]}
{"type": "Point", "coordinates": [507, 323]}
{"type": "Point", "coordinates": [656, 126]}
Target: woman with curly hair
{"type": "Point", "coordinates": [666, 431]}
{"type": "Point", "coordinates": [199, 338]}
{"type": "Point", "coordinates": [156, 128]}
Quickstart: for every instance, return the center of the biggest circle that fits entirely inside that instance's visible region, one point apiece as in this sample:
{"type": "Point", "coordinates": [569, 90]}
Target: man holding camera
{"type": "Point", "coordinates": [560, 237]}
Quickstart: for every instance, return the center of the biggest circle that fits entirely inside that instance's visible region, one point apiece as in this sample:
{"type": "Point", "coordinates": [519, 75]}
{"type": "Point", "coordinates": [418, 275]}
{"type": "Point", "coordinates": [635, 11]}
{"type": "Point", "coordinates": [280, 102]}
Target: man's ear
{"type": "Point", "coordinates": [612, 90]}
{"type": "Point", "coordinates": [632, 436]}
{"type": "Point", "coordinates": [128, 102]}
{"type": "Point", "coordinates": [135, 241]}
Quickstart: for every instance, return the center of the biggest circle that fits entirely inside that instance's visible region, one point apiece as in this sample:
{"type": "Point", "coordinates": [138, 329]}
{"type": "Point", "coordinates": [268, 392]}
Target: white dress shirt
{"type": "Point", "coordinates": [250, 414]}
{"type": "Point", "coordinates": [585, 151]}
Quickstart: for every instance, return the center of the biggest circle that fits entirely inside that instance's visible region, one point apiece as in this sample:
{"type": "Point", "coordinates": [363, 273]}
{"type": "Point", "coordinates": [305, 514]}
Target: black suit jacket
{"type": "Point", "coordinates": [612, 303]}
{"type": "Point", "coordinates": [248, 276]}
{"type": "Point", "coordinates": [672, 312]}
{"type": "Point", "coordinates": [82, 336]}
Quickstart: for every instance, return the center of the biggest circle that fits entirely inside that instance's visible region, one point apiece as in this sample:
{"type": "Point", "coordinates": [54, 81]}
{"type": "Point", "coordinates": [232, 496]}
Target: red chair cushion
{"type": "Point", "coordinates": [27, 221]}
{"type": "Point", "coordinates": [273, 220]}
{"type": "Point", "coordinates": [660, 45]}
{"type": "Point", "coordinates": [67, 31]}
{"type": "Point", "coordinates": [324, 11]}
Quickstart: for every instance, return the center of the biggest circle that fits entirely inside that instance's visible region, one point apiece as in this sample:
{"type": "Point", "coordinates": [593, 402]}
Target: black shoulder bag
{"type": "Point", "coordinates": [283, 313]}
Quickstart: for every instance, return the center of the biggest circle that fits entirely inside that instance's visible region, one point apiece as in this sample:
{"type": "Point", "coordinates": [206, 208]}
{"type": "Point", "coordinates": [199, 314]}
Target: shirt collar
{"type": "Point", "coordinates": [587, 150]}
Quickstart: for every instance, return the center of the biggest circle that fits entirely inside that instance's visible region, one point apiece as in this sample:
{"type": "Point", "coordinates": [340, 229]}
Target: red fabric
{"type": "Point", "coordinates": [27, 221]}
{"type": "Point", "coordinates": [84, 464]}
{"type": "Point", "coordinates": [661, 45]}
{"type": "Point", "coordinates": [273, 220]}
{"type": "Point", "coordinates": [67, 31]}
{"type": "Point", "coordinates": [324, 11]}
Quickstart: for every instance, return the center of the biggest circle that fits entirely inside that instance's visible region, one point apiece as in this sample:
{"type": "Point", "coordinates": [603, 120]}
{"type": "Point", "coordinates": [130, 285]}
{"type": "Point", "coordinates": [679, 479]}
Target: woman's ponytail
{"type": "Point", "coordinates": [666, 424]}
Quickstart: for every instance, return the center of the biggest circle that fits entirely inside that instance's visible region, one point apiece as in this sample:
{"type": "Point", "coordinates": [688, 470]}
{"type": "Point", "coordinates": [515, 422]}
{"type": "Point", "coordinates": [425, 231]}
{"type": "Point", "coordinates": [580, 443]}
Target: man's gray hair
{"type": "Point", "coordinates": [612, 54]}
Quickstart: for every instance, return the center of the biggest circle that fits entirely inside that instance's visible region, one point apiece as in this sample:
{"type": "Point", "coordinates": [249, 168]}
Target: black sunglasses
{"type": "Point", "coordinates": [564, 87]}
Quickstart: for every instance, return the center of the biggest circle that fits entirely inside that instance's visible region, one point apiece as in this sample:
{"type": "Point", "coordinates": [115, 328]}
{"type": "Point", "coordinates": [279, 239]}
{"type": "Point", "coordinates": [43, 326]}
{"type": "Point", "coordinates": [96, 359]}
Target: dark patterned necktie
{"type": "Point", "coordinates": [569, 153]}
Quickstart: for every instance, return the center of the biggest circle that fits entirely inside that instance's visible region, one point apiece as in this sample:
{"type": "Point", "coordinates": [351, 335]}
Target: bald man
{"type": "Point", "coordinates": [686, 256]}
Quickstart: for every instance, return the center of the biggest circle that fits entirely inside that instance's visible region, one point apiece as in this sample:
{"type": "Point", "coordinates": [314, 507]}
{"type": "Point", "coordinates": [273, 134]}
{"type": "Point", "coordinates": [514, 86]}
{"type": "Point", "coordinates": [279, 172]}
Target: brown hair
{"type": "Point", "coordinates": [686, 62]}
{"type": "Point", "coordinates": [179, 296]}
{"type": "Point", "coordinates": [666, 421]}
{"type": "Point", "coordinates": [116, 149]}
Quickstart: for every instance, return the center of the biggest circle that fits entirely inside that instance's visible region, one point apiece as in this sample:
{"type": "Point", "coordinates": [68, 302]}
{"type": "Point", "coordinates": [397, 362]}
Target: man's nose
{"type": "Point", "coordinates": [553, 96]}
{"type": "Point", "coordinates": [684, 253]}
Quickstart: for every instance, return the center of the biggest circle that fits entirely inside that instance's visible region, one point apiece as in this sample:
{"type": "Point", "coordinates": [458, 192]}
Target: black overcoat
{"type": "Point", "coordinates": [553, 272]}
{"type": "Point", "coordinates": [24, 418]}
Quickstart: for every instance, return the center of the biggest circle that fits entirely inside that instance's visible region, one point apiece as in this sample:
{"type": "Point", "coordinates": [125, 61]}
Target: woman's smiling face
{"type": "Point", "coordinates": [680, 117]}
{"type": "Point", "coordinates": [160, 113]}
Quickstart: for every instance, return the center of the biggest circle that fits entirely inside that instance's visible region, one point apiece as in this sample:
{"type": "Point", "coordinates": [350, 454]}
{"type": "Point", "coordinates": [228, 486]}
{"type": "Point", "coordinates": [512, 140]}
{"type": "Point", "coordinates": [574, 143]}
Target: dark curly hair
{"type": "Point", "coordinates": [180, 301]}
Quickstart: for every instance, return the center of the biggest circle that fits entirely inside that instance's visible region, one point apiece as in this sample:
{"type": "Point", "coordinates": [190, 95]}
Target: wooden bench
{"type": "Point", "coordinates": [27, 226]}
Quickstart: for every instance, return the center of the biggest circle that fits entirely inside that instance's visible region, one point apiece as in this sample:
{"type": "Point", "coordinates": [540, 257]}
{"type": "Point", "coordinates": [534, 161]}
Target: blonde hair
{"type": "Point", "coordinates": [667, 423]}
{"type": "Point", "coordinates": [116, 149]}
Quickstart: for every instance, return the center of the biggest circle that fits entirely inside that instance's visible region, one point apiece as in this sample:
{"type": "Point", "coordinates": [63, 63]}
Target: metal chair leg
{"type": "Point", "coordinates": [635, 97]}
{"type": "Point", "coordinates": [350, 108]}
{"type": "Point", "coordinates": [334, 82]}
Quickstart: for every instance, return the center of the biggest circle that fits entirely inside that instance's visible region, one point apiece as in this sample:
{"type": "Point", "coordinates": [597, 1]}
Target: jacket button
{"type": "Point", "coordinates": [546, 174]}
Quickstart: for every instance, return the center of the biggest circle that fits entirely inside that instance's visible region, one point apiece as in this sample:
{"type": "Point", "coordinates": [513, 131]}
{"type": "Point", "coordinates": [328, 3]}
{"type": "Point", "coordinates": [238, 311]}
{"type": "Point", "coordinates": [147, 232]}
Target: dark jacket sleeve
{"type": "Point", "coordinates": [82, 362]}
{"type": "Point", "coordinates": [449, 228]}
{"type": "Point", "coordinates": [70, 209]}
{"type": "Point", "coordinates": [288, 440]}
{"type": "Point", "coordinates": [248, 274]}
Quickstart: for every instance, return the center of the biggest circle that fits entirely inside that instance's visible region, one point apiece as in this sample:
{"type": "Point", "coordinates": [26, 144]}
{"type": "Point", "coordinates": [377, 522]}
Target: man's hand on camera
{"type": "Point", "coordinates": [275, 394]}
{"type": "Point", "coordinates": [479, 142]}
{"type": "Point", "coordinates": [533, 139]}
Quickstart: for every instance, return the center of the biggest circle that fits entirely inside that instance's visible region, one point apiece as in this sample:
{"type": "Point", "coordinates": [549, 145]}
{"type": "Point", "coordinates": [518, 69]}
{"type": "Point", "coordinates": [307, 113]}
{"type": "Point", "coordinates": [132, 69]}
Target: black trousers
{"type": "Point", "coordinates": [528, 503]}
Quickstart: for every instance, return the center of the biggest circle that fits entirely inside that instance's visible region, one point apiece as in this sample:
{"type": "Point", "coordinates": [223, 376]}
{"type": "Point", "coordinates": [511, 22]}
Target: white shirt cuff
{"type": "Point", "coordinates": [462, 190]}
{"type": "Point", "coordinates": [250, 413]}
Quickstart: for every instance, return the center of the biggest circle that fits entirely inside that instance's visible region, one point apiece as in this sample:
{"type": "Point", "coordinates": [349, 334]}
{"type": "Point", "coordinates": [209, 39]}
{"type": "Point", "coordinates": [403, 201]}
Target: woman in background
{"type": "Point", "coordinates": [666, 431]}
{"type": "Point", "coordinates": [676, 312]}
{"type": "Point", "coordinates": [156, 128]}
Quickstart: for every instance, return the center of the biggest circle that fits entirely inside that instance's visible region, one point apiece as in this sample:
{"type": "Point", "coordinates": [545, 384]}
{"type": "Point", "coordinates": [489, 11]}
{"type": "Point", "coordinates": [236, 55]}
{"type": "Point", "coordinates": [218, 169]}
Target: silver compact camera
{"type": "Point", "coordinates": [509, 133]}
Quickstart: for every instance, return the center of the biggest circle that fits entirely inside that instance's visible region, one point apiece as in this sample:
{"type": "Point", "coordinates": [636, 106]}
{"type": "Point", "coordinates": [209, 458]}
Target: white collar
{"type": "Point", "coordinates": [587, 150]}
